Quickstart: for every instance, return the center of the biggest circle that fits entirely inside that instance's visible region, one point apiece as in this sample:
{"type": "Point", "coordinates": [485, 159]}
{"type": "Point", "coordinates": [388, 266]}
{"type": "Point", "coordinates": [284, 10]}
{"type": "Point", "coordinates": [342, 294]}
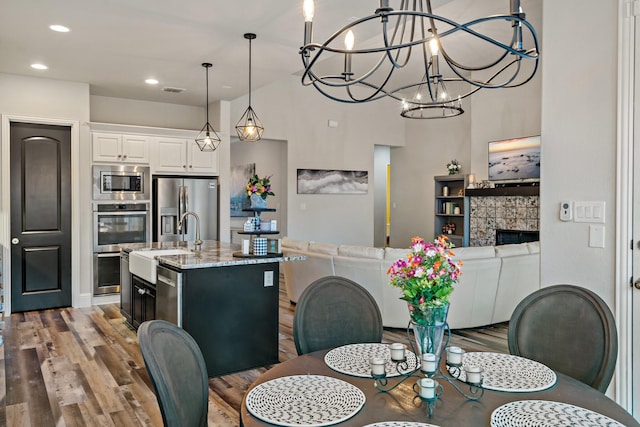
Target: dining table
{"type": "Point", "coordinates": [403, 406]}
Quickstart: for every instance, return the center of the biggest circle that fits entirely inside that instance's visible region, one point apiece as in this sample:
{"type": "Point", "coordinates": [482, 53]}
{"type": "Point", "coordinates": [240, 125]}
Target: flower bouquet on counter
{"type": "Point", "coordinates": [453, 167]}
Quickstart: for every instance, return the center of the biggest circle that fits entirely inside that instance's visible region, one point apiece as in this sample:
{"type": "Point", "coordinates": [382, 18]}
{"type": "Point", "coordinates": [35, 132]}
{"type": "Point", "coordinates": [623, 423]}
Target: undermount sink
{"type": "Point", "coordinates": [143, 263]}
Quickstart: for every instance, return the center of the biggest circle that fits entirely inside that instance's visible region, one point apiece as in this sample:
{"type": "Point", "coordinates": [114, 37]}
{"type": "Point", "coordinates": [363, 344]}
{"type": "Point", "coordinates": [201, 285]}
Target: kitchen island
{"type": "Point", "coordinates": [229, 305]}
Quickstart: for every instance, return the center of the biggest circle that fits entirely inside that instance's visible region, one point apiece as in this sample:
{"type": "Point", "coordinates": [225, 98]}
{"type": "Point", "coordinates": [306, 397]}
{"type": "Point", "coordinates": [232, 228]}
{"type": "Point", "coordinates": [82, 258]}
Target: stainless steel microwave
{"type": "Point", "coordinates": [120, 182]}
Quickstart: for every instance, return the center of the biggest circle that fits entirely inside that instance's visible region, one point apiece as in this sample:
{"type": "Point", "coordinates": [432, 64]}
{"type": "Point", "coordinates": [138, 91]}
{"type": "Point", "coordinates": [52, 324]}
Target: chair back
{"type": "Point", "coordinates": [568, 328]}
{"type": "Point", "coordinates": [335, 311]}
{"type": "Point", "coordinates": [178, 372]}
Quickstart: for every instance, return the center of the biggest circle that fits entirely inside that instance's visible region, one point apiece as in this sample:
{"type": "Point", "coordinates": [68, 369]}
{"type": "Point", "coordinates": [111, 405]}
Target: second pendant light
{"type": "Point", "coordinates": [249, 127]}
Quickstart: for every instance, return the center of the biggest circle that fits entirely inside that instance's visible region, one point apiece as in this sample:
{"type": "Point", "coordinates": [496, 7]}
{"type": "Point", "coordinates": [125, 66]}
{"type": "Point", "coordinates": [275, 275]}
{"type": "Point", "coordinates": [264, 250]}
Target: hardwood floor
{"type": "Point", "coordinates": [83, 367]}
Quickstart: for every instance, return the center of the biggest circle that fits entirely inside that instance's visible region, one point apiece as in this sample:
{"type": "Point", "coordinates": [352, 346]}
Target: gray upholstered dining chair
{"type": "Point", "coordinates": [568, 328]}
{"type": "Point", "coordinates": [335, 311]}
{"type": "Point", "coordinates": [178, 372]}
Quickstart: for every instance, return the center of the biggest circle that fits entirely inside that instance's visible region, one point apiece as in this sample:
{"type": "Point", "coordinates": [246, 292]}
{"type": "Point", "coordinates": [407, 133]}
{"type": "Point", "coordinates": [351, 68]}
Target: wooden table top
{"type": "Point", "coordinates": [452, 409]}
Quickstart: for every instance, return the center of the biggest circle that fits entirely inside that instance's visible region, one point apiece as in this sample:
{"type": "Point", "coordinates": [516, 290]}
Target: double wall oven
{"type": "Point", "coordinates": [120, 215]}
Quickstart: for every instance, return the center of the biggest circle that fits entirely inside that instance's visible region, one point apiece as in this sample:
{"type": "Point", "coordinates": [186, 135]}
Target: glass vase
{"type": "Point", "coordinates": [257, 201]}
{"type": "Point", "coordinates": [429, 326]}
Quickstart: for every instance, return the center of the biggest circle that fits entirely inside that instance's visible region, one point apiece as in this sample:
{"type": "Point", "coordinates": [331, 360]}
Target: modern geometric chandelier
{"type": "Point", "coordinates": [207, 139]}
{"type": "Point", "coordinates": [411, 57]}
{"type": "Point", "coordinates": [249, 127]}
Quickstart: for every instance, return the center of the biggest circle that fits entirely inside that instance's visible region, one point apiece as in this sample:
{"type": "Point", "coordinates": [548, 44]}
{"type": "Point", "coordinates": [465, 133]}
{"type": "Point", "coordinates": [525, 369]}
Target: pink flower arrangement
{"type": "Point", "coordinates": [427, 276]}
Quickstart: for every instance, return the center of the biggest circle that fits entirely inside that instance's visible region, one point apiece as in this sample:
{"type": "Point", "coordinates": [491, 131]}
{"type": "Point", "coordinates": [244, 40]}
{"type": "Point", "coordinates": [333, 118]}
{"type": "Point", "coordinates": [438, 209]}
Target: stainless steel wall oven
{"type": "Point", "coordinates": [114, 224]}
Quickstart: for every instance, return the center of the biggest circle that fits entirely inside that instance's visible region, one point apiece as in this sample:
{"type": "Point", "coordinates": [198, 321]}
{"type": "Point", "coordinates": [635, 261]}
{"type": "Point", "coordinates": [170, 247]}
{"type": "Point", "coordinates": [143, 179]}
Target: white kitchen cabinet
{"type": "Point", "coordinates": [118, 148]}
{"type": "Point", "coordinates": [180, 155]}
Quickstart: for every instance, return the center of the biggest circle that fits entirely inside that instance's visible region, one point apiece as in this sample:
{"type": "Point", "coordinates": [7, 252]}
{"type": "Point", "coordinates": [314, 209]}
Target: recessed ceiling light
{"type": "Point", "coordinates": [151, 81]}
{"type": "Point", "coordinates": [39, 66]}
{"type": "Point", "coordinates": [59, 28]}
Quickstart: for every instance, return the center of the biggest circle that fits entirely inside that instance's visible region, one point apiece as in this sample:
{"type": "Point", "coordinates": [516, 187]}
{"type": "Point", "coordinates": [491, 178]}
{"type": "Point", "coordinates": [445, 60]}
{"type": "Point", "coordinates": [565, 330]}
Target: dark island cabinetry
{"type": "Point", "coordinates": [232, 313]}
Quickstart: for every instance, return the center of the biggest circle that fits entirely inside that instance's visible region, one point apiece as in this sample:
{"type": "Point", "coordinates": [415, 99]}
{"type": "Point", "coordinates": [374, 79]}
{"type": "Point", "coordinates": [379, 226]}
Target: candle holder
{"type": "Point", "coordinates": [429, 375]}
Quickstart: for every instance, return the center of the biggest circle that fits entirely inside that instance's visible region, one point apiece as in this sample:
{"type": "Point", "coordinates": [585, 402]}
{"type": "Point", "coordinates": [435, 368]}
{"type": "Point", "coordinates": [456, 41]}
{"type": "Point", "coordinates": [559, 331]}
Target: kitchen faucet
{"type": "Point", "coordinates": [197, 242]}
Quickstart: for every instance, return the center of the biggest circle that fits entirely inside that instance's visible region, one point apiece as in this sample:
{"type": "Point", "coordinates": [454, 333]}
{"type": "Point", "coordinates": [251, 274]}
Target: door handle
{"type": "Point", "coordinates": [636, 284]}
{"type": "Point", "coordinates": [15, 241]}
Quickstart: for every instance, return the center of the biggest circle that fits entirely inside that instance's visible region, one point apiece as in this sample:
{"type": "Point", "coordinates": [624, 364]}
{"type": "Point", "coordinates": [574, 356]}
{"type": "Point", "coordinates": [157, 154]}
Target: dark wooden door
{"type": "Point", "coordinates": [40, 216]}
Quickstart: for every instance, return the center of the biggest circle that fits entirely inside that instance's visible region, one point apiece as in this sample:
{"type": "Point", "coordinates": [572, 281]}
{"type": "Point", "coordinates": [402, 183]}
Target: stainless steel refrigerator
{"type": "Point", "coordinates": [173, 196]}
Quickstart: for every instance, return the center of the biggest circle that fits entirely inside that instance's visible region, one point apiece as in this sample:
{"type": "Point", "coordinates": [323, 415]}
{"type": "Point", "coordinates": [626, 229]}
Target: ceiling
{"type": "Point", "coordinates": [114, 45]}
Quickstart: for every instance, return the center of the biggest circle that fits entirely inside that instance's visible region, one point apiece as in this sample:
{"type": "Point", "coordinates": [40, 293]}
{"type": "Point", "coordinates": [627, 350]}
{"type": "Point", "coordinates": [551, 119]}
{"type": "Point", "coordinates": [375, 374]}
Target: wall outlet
{"type": "Point", "coordinates": [268, 279]}
{"type": "Point", "coordinates": [566, 211]}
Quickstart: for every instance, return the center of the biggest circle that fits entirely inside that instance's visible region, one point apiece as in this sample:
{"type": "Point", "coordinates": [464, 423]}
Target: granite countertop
{"type": "Point", "coordinates": [213, 254]}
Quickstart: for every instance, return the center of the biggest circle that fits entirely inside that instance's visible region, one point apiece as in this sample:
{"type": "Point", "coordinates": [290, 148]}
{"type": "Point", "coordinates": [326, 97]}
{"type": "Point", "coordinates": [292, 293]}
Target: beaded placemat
{"type": "Point", "coordinates": [354, 359]}
{"type": "Point", "coordinates": [304, 400]}
{"type": "Point", "coordinates": [543, 413]}
{"type": "Point", "coordinates": [506, 372]}
{"type": "Point", "coordinates": [400, 424]}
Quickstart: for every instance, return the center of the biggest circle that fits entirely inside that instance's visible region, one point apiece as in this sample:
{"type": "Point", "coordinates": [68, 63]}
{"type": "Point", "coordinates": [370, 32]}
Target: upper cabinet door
{"type": "Point", "coordinates": [183, 156]}
{"type": "Point", "coordinates": [107, 147]}
{"type": "Point", "coordinates": [202, 162]}
{"type": "Point", "coordinates": [171, 155]}
{"type": "Point", "coordinates": [135, 149]}
{"type": "Point", "coordinates": [117, 148]}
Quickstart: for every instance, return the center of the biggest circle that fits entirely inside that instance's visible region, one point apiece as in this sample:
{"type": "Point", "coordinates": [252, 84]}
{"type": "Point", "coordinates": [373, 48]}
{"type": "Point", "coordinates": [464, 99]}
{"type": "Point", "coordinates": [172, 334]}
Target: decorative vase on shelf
{"type": "Point", "coordinates": [429, 326]}
{"type": "Point", "coordinates": [257, 202]}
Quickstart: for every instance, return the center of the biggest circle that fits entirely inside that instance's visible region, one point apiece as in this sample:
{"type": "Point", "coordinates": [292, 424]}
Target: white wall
{"type": "Point", "coordinates": [55, 99]}
{"type": "Point", "coordinates": [299, 115]}
{"type": "Point", "coordinates": [122, 111]}
{"type": "Point", "coordinates": [579, 140]}
{"type": "Point", "coordinates": [502, 114]}
{"type": "Point", "coordinates": [430, 145]}
{"type": "Point", "coordinates": [270, 158]}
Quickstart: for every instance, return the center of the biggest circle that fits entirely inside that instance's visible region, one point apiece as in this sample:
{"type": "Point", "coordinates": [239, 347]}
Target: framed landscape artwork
{"type": "Point", "coordinates": [328, 181]}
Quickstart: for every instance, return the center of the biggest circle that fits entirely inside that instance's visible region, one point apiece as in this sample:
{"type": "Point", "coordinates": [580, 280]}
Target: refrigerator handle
{"type": "Point", "coordinates": [181, 209]}
{"type": "Point", "coordinates": [185, 198]}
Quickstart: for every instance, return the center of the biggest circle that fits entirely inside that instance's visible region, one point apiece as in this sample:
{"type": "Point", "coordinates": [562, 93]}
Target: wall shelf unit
{"type": "Point", "coordinates": [452, 208]}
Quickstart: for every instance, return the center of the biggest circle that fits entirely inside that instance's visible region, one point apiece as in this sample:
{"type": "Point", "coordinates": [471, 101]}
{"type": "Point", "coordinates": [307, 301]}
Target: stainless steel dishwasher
{"type": "Point", "coordinates": [169, 295]}
{"type": "Point", "coordinates": [125, 286]}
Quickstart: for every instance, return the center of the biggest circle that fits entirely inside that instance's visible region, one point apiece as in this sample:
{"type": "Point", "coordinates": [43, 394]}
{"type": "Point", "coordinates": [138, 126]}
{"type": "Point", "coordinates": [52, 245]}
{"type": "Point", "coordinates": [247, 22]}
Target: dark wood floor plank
{"type": "Point", "coordinates": [28, 386]}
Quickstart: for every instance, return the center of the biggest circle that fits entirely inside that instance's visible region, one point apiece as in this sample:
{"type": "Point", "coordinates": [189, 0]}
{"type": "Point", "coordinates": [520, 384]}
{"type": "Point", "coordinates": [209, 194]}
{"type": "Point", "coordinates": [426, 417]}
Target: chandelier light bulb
{"type": "Point", "coordinates": [349, 40]}
{"type": "Point", "coordinates": [308, 9]}
{"type": "Point", "coordinates": [433, 46]}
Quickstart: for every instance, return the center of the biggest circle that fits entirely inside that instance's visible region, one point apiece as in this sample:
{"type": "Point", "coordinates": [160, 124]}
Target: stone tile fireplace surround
{"type": "Point", "coordinates": [490, 213]}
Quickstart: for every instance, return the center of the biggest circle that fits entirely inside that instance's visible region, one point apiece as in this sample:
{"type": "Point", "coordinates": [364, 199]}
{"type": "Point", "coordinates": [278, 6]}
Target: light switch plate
{"type": "Point", "coordinates": [589, 212]}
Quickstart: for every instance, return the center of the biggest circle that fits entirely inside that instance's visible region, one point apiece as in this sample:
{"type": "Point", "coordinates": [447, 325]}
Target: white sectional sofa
{"type": "Point", "coordinates": [494, 278]}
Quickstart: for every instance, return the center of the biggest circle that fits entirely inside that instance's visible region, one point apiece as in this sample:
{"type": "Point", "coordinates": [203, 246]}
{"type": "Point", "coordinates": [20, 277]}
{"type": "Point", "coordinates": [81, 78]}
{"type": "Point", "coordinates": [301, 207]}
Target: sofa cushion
{"type": "Point", "coordinates": [394, 254]}
{"type": "Point", "coordinates": [301, 245]}
{"type": "Point", "coordinates": [323, 248]}
{"type": "Point", "coordinates": [361, 252]}
{"type": "Point", "coordinates": [512, 250]}
{"type": "Point", "coordinates": [474, 252]}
